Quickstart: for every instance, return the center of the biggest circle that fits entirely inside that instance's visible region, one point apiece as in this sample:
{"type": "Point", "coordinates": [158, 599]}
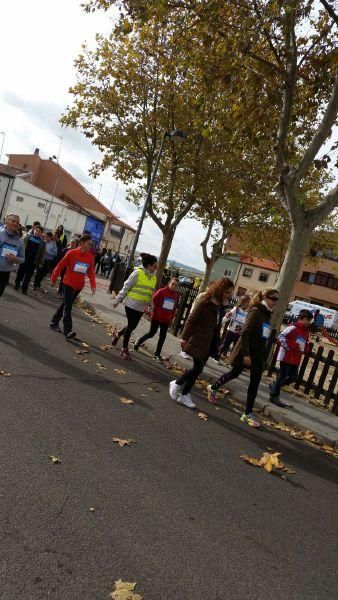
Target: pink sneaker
{"type": "Point", "coordinates": [125, 354]}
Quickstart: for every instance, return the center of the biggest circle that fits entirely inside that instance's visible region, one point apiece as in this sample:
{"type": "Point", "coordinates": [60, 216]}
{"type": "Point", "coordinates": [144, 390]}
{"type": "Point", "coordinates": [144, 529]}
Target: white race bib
{"type": "Point", "coordinates": [9, 249]}
{"type": "Point", "coordinates": [81, 267]}
{"type": "Point", "coordinates": [301, 343]}
{"type": "Point", "coordinates": [266, 328]}
{"type": "Point", "coordinates": [168, 304]}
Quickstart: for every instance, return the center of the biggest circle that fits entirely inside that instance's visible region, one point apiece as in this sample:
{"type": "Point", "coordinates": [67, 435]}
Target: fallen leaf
{"type": "Point", "coordinates": [126, 401]}
{"type": "Point", "coordinates": [203, 416]}
{"type": "Point", "coordinates": [104, 347]}
{"type": "Point", "coordinates": [268, 461]}
{"type": "Point", "coordinates": [250, 460]}
{"type": "Point", "coordinates": [85, 345]}
{"type": "Point", "coordinates": [55, 460]}
{"type": "Point", "coordinates": [124, 590]}
{"type": "Point", "coordinates": [121, 442]}
{"type": "Point", "coordinates": [92, 509]}
{"type": "Point", "coordinates": [5, 373]}
{"type": "Point", "coordinates": [81, 351]}
{"type": "Point", "coordinates": [85, 360]}
{"type": "Point", "coordinates": [120, 371]}
{"type": "Point", "coordinates": [144, 396]}
{"type": "Point", "coordinates": [99, 365]}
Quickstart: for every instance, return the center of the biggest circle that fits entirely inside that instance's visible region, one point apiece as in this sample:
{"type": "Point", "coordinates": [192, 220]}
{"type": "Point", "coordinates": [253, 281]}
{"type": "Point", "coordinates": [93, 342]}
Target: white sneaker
{"type": "Point", "coordinates": [174, 390]}
{"type": "Point", "coordinates": [186, 400]}
{"type": "Point", "coordinates": [185, 355]}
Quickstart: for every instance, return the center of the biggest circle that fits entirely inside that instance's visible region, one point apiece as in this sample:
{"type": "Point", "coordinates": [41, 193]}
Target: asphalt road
{"type": "Point", "coordinates": [179, 512]}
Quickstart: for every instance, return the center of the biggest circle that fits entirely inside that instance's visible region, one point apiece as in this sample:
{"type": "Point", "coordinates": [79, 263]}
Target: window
{"type": "Point", "coordinates": [308, 277]}
{"type": "Point", "coordinates": [263, 276]}
{"type": "Point", "coordinates": [19, 199]}
{"type": "Point", "coordinates": [247, 272]}
{"type": "Point", "coordinates": [41, 205]}
{"type": "Point", "coordinates": [227, 272]}
{"type": "Point", "coordinates": [326, 280]}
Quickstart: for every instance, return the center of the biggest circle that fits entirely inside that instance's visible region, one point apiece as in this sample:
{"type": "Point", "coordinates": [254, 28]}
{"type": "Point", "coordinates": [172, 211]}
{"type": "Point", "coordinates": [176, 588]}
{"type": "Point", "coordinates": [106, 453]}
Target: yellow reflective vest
{"type": "Point", "coordinates": [143, 288]}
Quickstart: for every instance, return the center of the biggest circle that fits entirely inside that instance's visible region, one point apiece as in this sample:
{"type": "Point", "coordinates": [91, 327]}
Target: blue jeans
{"type": "Point", "coordinates": [287, 374]}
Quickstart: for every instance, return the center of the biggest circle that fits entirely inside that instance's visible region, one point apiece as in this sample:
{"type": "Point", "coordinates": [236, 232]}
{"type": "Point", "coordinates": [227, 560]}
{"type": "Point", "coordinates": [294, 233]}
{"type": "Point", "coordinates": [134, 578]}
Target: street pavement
{"type": "Point", "coordinates": [179, 512]}
{"type": "Point", "coordinates": [303, 415]}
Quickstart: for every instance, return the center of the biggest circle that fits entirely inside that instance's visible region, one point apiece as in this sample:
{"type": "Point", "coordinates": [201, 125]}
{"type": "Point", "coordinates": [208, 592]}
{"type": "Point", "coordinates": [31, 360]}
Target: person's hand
{"type": "Point", "coordinates": [115, 304]}
{"type": "Point", "coordinates": [184, 344]}
{"type": "Point", "coordinates": [93, 291]}
{"type": "Point", "coordinates": [247, 362]}
{"type": "Point", "coordinates": [11, 257]}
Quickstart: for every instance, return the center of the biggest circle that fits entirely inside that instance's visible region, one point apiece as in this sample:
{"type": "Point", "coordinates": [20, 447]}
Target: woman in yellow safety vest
{"type": "Point", "coordinates": [136, 293]}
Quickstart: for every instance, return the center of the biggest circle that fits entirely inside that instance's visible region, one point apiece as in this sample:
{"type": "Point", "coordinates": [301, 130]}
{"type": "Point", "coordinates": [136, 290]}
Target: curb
{"type": "Point", "coordinates": [267, 409]}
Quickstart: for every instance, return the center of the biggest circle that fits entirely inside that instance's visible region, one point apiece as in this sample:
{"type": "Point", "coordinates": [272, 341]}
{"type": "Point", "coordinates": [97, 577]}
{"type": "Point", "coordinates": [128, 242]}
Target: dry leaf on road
{"type": "Point", "coordinates": [5, 373]}
{"type": "Point", "coordinates": [85, 345]}
{"type": "Point", "coordinates": [126, 401]}
{"type": "Point", "coordinates": [99, 365]}
{"type": "Point", "coordinates": [268, 461]}
{"type": "Point", "coordinates": [124, 590]}
{"type": "Point", "coordinates": [55, 460]}
{"type": "Point", "coordinates": [120, 372]}
{"type": "Point", "coordinates": [203, 416]}
{"type": "Point", "coordinates": [104, 347]}
{"type": "Point", "coordinates": [144, 396]}
{"type": "Point", "coordinates": [250, 460]}
{"type": "Point", "coordinates": [121, 442]}
{"type": "Point", "coordinates": [81, 351]}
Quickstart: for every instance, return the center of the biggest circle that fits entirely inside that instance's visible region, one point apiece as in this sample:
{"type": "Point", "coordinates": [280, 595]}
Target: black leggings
{"type": "Point", "coordinates": [187, 380]}
{"type": "Point", "coordinates": [287, 374]}
{"type": "Point", "coordinates": [65, 309]}
{"type": "Point", "coordinates": [154, 325]}
{"type": "Point", "coordinates": [255, 379]}
{"type": "Point", "coordinates": [133, 317]}
{"type": "Point", "coordinates": [4, 279]}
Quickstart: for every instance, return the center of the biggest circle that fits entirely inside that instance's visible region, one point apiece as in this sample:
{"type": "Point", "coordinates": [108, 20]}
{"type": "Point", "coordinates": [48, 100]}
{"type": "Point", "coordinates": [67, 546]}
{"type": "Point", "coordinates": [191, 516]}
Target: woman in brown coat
{"type": "Point", "coordinates": [250, 351]}
{"type": "Point", "coordinates": [201, 327]}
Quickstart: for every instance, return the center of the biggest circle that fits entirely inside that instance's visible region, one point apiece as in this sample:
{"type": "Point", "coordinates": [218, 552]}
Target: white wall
{"type": "Point", "coordinates": [110, 241]}
{"type": "Point", "coordinates": [31, 204]}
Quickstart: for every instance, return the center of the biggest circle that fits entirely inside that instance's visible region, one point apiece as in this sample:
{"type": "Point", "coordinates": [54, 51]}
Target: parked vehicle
{"type": "Point", "coordinates": [330, 315]}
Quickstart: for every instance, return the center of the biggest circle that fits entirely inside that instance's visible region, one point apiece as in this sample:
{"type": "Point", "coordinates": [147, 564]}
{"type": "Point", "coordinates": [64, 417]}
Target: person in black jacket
{"type": "Point", "coordinates": [250, 351]}
{"type": "Point", "coordinates": [35, 249]}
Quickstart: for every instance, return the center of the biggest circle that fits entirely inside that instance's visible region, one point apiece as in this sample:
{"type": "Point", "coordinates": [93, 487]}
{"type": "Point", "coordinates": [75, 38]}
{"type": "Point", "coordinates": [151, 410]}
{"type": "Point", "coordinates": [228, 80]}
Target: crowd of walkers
{"type": "Point", "coordinates": [246, 327]}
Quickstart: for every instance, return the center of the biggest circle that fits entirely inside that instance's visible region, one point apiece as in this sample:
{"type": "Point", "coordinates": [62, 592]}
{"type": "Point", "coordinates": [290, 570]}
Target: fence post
{"type": "Point", "coordinates": [179, 315]}
{"type": "Point", "coordinates": [272, 365]}
{"type": "Point", "coordinates": [330, 392]}
{"type": "Point", "coordinates": [303, 366]}
{"type": "Point", "coordinates": [314, 368]}
{"type": "Point", "coordinates": [327, 364]}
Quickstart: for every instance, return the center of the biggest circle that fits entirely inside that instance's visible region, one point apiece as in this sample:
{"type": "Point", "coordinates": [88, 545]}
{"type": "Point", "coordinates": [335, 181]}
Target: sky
{"type": "Point", "coordinates": [38, 43]}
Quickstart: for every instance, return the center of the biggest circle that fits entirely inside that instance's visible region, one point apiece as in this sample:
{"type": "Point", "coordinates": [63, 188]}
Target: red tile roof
{"type": "Point", "coordinates": [10, 171]}
{"type": "Point", "coordinates": [262, 263]}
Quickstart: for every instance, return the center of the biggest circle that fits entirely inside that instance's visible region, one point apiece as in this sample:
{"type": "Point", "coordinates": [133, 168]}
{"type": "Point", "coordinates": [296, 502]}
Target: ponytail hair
{"type": "Point", "coordinates": [148, 259]}
{"type": "Point", "coordinates": [259, 296]}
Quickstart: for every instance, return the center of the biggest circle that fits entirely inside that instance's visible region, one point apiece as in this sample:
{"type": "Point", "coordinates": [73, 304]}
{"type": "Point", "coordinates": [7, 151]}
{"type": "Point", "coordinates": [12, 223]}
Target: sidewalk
{"type": "Point", "coordinates": [303, 415]}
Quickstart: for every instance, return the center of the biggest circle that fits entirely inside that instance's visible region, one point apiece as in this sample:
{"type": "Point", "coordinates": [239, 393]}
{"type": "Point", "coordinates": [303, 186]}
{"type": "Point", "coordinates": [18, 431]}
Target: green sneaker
{"type": "Point", "coordinates": [250, 420]}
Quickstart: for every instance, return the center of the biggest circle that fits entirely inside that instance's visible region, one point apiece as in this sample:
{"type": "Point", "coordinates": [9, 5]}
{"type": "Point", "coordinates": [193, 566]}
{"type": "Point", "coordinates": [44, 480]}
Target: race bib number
{"type": "Point", "coordinates": [301, 343]}
{"type": "Point", "coordinates": [81, 267]}
{"type": "Point", "coordinates": [266, 331]}
{"type": "Point", "coordinates": [168, 304]}
{"type": "Point", "coordinates": [8, 249]}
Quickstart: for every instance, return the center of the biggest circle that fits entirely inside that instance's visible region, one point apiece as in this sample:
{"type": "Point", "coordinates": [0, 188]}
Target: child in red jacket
{"type": "Point", "coordinates": [293, 343]}
{"type": "Point", "coordinates": [165, 302]}
{"type": "Point", "coordinates": [78, 263]}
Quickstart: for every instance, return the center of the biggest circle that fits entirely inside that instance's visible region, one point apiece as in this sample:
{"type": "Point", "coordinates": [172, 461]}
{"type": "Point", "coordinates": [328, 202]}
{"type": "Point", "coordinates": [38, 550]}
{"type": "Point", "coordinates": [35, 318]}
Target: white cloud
{"type": "Point", "coordinates": [36, 73]}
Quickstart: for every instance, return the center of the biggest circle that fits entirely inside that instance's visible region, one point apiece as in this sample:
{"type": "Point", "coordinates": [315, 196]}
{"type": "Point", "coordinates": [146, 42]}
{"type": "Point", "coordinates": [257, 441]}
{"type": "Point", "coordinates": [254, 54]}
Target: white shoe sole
{"type": "Point", "coordinates": [185, 404]}
{"type": "Point", "coordinates": [173, 394]}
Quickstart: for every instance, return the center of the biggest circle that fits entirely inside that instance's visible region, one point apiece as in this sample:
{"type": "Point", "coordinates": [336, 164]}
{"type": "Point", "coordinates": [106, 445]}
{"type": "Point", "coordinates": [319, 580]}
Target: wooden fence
{"type": "Point", "coordinates": [316, 372]}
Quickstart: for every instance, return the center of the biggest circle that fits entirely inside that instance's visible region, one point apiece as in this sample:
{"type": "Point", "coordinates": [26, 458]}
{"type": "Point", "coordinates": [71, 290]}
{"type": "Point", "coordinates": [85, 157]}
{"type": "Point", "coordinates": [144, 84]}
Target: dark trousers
{"type": "Point", "coordinates": [41, 272]}
{"type": "Point", "coordinates": [24, 275]}
{"type": "Point", "coordinates": [229, 338]}
{"type": "Point", "coordinates": [133, 318]}
{"type": "Point", "coordinates": [255, 379]}
{"type": "Point", "coordinates": [187, 380]}
{"type": "Point", "coordinates": [152, 331]}
{"type": "Point", "coordinates": [65, 309]}
{"type": "Point", "coordinates": [287, 374]}
{"type": "Point", "coordinates": [4, 279]}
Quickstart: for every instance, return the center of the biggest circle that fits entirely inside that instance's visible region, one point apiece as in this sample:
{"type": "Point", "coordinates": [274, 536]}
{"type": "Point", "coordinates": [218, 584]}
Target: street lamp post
{"type": "Point", "coordinates": [177, 133]}
{"type": "Point", "coordinates": [56, 180]}
{"type": "Point", "coordinates": [3, 133]}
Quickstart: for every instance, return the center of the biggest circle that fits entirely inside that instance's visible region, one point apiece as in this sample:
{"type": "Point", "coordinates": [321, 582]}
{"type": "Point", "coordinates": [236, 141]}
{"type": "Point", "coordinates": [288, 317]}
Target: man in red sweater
{"type": "Point", "coordinates": [293, 343]}
{"type": "Point", "coordinates": [78, 263]}
{"type": "Point", "coordinates": [165, 302]}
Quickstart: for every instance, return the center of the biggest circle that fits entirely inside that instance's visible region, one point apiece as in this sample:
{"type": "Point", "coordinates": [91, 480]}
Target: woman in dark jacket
{"type": "Point", "coordinates": [250, 351]}
{"type": "Point", "coordinates": [202, 325]}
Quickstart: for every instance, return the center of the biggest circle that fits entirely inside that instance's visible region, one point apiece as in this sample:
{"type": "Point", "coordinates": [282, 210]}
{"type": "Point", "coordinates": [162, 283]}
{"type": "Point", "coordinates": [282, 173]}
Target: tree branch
{"type": "Point", "coordinates": [328, 204]}
{"type": "Point", "coordinates": [330, 10]}
{"type": "Point", "coordinates": [154, 217]}
{"type": "Point", "coordinates": [322, 133]}
{"type": "Point", "coordinates": [288, 93]}
{"type": "Point", "coordinates": [204, 243]}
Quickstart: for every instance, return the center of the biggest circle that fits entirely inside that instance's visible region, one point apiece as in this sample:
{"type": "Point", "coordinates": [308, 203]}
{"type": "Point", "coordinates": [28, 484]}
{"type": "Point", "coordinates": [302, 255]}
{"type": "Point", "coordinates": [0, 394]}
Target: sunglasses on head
{"type": "Point", "coordinates": [273, 298]}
